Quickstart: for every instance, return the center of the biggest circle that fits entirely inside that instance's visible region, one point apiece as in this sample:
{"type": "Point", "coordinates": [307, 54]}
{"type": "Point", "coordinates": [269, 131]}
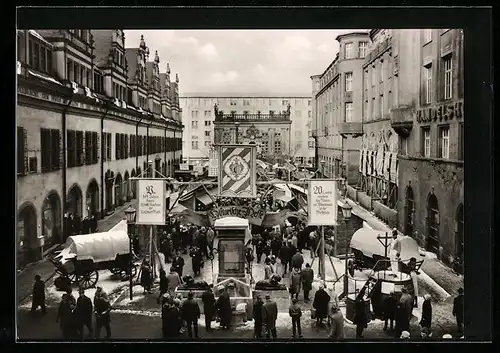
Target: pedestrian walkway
{"type": "Point", "coordinates": [442, 275]}
{"type": "Point", "coordinates": [45, 268]}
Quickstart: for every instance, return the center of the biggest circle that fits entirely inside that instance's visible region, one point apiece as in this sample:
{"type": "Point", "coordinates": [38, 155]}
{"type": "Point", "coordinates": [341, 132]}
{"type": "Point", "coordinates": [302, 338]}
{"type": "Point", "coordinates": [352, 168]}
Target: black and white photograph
{"type": "Point", "coordinates": [256, 184]}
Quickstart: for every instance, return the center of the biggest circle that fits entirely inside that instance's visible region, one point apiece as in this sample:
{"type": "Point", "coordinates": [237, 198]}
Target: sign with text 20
{"type": "Point", "coordinates": [322, 203]}
{"type": "Point", "coordinates": [151, 202]}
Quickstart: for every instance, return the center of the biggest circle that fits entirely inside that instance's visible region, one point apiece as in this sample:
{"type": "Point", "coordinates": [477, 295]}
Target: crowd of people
{"type": "Point", "coordinates": [75, 225]}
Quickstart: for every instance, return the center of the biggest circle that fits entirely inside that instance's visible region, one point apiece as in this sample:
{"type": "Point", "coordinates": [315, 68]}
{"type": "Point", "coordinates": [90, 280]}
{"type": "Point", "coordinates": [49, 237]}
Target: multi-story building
{"type": "Point", "coordinates": [275, 132]}
{"type": "Point", "coordinates": [337, 98]}
{"type": "Point", "coordinates": [431, 167]}
{"type": "Point", "coordinates": [83, 130]}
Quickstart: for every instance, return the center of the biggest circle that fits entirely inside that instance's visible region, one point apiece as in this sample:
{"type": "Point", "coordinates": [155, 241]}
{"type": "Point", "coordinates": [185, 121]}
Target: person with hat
{"type": "Point", "coordinates": [285, 256]}
{"type": "Point", "coordinates": [83, 311]}
{"type": "Point", "coordinates": [178, 264]}
{"type": "Point", "coordinates": [208, 299]}
{"type": "Point", "coordinates": [223, 305]}
{"type": "Point", "coordinates": [268, 269]}
{"type": "Point", "coordinates": [307, 278]}
{"type": "Point", "coordinates": [102, 309]}
{"type": "Point", "coordinates": [403, 312]}
{"type": "Point", "coordinates": [190, 312]}
{"type": "Point", "coordinates": [426, 312]}
{"type": "Point", "coordinates": [297, 260]}
{"type": "Point", "coordinates": [170, 317]}
{"type": "Point", "coordinates": [320, 304]}
{"type": "Point", "coordinates": [295, 313]}
{"type": "Point", "coordinates": [336, 323]}
{"type": "Point", "coordinates": [270, 311]}
{"type": "Point", "coordinates": [295, 283]}
{"type": "Point", "coordinates": [458, 309]}
{"type": "Point", "coordinates": [258, 308]}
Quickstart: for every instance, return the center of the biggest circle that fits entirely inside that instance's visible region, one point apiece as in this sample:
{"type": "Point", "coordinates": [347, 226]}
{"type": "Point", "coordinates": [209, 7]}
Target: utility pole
{"type": "Point", "coordinates": [322, 255]}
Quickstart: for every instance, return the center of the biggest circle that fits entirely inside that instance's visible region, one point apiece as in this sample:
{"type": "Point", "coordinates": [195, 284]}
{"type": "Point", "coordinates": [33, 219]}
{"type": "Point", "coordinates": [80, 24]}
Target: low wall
{"type": "Point", "coordinates": [364, 200]}
{"type": "Point", "coordinates": [352, 193]}
{"type": "Point", "coordinates": [388, 215]}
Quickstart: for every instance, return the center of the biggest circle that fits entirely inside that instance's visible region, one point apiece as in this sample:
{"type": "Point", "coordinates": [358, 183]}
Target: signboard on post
{"type": "Point", "coordinates": [237, 171]}
{"type": "Point", "coordinates": [152, 197]}
{"type": "Point", "coordinates": [322, 204]}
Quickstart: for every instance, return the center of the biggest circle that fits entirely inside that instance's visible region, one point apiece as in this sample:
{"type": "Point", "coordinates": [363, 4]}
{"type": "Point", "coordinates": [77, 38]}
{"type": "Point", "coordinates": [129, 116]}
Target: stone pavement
{"type": "Point", "coordinates": [45, 268]}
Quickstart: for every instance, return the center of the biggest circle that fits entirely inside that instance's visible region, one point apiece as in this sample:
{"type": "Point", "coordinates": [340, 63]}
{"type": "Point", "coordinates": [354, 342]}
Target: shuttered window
{"type": "Point", "coordinates": [117, 146]}
{"type": "Point", "coordinates": [125, 138]}
{"type": "Point", "coordinates": [21, 151]}
{"type": "Point", "coordinates": [51, 149]}
{"type": "Point", "coordinates": [71, 148]}
{"type": "Point", "coordinates": [88, 147]}
{"type": "Point", "coordinates": [79, 148]}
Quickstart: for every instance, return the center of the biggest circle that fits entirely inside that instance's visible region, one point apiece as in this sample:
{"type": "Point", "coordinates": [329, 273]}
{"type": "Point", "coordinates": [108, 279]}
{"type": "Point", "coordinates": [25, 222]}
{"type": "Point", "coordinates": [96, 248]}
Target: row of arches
{"type": "Point", "coordinates": [432, 232]}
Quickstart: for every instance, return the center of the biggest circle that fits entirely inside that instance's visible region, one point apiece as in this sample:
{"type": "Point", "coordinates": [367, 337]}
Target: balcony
{"type": "Point", "coordinates": [402, 120]}
{"type": "Point", "coordinates": [352, 129]}
{"type": "Point", "coordinates": [276, 117]}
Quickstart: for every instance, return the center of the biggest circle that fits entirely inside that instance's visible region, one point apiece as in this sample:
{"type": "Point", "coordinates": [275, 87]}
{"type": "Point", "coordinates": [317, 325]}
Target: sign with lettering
{"type": "Point", "coordinates": [151, 197]}
{"type": "Point", "coordinates": [441, 112]}
{"type": "Point", "coordinates": [254, 215]}
{"type": "Point", "coordinates": [322, 203]}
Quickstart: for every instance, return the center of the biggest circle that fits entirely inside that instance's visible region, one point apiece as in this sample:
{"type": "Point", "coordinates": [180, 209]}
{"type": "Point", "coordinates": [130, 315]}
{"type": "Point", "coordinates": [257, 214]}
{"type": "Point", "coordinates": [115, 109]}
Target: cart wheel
{"type": "Point", "coordinates": [72, 277]}
{"type": "Point", "coordinates": [124, 273]}
{"type": "Point", "coordinates": [88, 280]}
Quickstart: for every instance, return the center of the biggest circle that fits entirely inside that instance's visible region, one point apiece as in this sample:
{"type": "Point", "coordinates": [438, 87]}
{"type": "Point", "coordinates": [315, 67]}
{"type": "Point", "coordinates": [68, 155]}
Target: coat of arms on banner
{"type": "Point", "coordinates": [237, 171]}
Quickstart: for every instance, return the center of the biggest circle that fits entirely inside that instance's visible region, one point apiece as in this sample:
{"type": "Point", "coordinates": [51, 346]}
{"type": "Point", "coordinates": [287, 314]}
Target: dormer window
{"type": "Point", "coordinates": [40, 57]}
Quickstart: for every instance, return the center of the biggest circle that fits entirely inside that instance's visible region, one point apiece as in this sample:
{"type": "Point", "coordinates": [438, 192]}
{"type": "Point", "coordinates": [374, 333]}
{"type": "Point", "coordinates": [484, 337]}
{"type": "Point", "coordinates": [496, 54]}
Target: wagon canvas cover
{"type": "Point", "coordinates": [99, 247]}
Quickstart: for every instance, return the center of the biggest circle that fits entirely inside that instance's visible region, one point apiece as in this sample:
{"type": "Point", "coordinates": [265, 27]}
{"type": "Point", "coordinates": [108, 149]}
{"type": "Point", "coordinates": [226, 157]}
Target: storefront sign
{"type": "Point", "coordinates": [322, 205]}
{"type": "Point", "coordinates": [442, 112]}
{"type": "Point", "coordinates": [151, 196]}
{"type": "Point", "coordinates": [254, 215]}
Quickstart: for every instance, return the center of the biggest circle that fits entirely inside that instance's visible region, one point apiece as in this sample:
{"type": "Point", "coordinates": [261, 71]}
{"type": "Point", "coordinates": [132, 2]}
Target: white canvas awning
{"type": "Point", "coordinates": [98, 247]}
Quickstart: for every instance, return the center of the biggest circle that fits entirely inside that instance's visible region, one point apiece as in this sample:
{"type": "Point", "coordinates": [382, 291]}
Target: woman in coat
{"type": "Point", "coordinates": [320, 303]}
{"type": "Point", "coordinates": [337, 323]}
{"type": "Point", "coordinates": [65, 317]}
{"type": "Point", "coordinates": [360, 316]}
{"type": "Point", "coordinates": [146, 277]}
{"type": "Point", "coordinates": [426, 312]}
{"type": "Point", "coordinates": [163, 285]}
{"type": "Point", "coordinates": [295, 283]}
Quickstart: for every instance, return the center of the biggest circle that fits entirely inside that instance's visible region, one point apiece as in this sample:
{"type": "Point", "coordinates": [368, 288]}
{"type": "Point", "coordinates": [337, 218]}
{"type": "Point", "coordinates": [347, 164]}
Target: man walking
{"type": "Point", "coordinates": [84, 309]}
{"type": "Point", "coordinates": [270, 315]}
{"type": "Point", "coordinates": [102, 316]}
{"type": "Point", "coordinates": [295, 282]}
{"type": "Point", "coordinates": [208, 300]}
{"type": "Point", "coordinates": [307, 276]}
{"type": "Point", "coordinates": [258, 308]}
{"type": "Point", "coordinates": [295, 313]}
{"type": "Point", "coordinates": [38, 295]}
{"type": "Point", "coordinates": [190, 314]}
{"type": "Point", "coordinates": [297, 260]}
{"type": "Point", "coordinates": [173, 280]}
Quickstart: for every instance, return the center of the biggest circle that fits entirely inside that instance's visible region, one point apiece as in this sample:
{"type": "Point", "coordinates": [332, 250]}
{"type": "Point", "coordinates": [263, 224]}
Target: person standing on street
{"type": "Point", "coordinates": [102, 316]}
{"type": "Point", "coordinates": [336, 323]}
{"type": "Point", "coordinates": [196, 259]}
{"type": "Point", "coordinates": [163, 285]}
{"type": "Point", "coordinates": [224, 307]}
{"type": "Point", "coordinates": [395, 251]}
{"type": "Point", "coordinates": [83, 310]}
{"type": "Point", "coordinates": [270, 316]}
{"type": "Point", "coordinates": [360, 317]}
{"type": "Point", "coordinates": [146, 277]}
{"type": "Point", "coordinates": [190, 314]}
{"type": "Point", "coordinates": [178, 264]}
{"type": "Point", "coordinates": [295, 313]}
{"type": "Point", "coordinates": [307, 277]}
{"type": "Point", "coordinates": [173, 280]}
{"type": "Point", "coordinates": [407, 301]}
{"type": "Point", "coordinates": [268, 269]}
{"type": "Point", "coordinates": [426, 319]}
{"type": "Point", "coordinates": [210, 240]}
{"type": "Point", "coordinates": [38, 295]}
{"type": "Point", "coordinates": [258, 308]}
{"type": "Point", "coordinates": [458, 310]}
{"type": "Point", "coordinates": [170, 317]}
{"type": "Point", "coordinates": [285, 257]}
{"type": "Point", "coordinates": [249, 258]}
{"type": "Point", "coordinates": [295, 282]}
{"type": "Point", "coordinates": [208, 300]}
{"type": "Point", "coordinates": [297, 260]}
{"type": "Point", "coordinates": [320, 303]}
{"type": "Point", "coordinates": [65, 317]}
{"type": "Point", "coordinates": [389, 308]}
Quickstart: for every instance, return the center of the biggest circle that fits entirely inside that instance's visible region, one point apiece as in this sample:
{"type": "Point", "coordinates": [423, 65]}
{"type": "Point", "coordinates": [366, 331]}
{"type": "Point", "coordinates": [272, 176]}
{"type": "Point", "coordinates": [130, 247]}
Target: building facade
{"type": "Point", "coordinates": [87, 121]}
{"type": "Point", "coordinates": [260, 117]}
{"type": "Point", "coordinates": [337, 98]}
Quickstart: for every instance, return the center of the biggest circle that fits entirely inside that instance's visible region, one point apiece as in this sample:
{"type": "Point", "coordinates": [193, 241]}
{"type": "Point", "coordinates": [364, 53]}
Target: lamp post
{"type": "Point", "coordinates": [322, 162]}
{"type": "Point", "coordinates": [346, 213]}
{"type": "Point", "coordinates": [130, 214]}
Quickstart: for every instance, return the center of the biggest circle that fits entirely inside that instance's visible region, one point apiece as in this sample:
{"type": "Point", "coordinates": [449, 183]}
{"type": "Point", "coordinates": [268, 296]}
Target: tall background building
{"type": "Point", "coordinates": [290, 136]}
{"type": "Point", "coordinates": [91, 113]}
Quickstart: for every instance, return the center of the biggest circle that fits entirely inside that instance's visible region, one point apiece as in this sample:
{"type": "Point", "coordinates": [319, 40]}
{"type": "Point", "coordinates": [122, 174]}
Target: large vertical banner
{"type": "Point", "coordinates": [213, 168]}
{"type": "Point", "coordinates": [151, 194]}
{"type": "Point", "coordinates": [237, 171]}
{"type": "Point", "coordinates": [322, 203]}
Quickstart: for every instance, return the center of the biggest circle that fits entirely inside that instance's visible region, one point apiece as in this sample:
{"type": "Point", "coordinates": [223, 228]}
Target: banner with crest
{"type": "Point", "coordinates": [237, 171]}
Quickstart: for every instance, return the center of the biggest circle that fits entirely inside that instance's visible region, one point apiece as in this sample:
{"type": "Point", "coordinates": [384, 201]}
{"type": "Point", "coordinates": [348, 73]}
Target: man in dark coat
{"type": "Point", "coordinates": [259, 247]}
{"type": "Point", "coordinates": [285, 256]}
{"type": "Point", "coordinates": [389, 310]}
{"type": "Point", "coordinates": [173, 280]}
{"type": "Point", "coordinates": [178, 264]}
{"type": "Point", "coordinates": [224, 307]}
{"type": "Point", "coordinates": [196, 259]}
{"type": "Point", "coordinates": [307, 276]}
{"type": "Point", "coordinates": [320, 303]}
{"type": "Point", "coordinates": [190, 314]}
{"type": "Point", "coordinates": [297, 260]}
{"type": "Point", "coordinates": [270, 315]}
{"type": "Point", "coordinates": [208, 300]}
{"type": "Point", "coordinates": [65, 317]}
{"type": "Point", "coordinates": [93, 224]}
{"type": "Point", "coordinates": [426, 319]}
{"type": "Point", "coordinates": [83, 311]}
{"type": "Point", "coordinates": [38, 295]}
{"type": "Point", "coordinates": [360, 315]}
{"type": "Point", "coordinates": [258, 317]}
{"type": "Point", "coordinates": [163, 285]}
{"type": "Point", "coordinates": [295, 283]}
{"type": "Point", "coordinates": [102, 316]}
{"type": "Point", "coordinates": [170, 318]}
{"type": "Point", "coordinates": [458, 309]}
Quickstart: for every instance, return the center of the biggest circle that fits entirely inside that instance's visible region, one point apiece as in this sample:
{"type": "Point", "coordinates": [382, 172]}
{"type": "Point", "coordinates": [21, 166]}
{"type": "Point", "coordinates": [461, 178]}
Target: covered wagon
{"type": "Point", "coordinates": [84, 255]}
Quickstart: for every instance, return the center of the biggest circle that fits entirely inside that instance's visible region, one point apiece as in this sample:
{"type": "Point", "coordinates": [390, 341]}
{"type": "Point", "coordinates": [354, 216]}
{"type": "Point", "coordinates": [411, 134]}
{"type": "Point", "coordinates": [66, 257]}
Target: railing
{"type": "Point", "coordinates": [253, 117]}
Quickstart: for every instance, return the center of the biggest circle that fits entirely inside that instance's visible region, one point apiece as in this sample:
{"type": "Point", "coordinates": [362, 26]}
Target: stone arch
{"type": "Point", "coordinates": [433, 221]}
{"type": "Point", "coordinates": [74, 203]}
{"type": "Point", "coordinates": [26, 231]}
{"type": "Point", "coordinates": [118, 190]}
{"type": "Point", "coordinates": [128, 188]}
{"type": "Point", "coordinates": [51, 219]}
{"type": "Point", "coordinates": [92, 197]}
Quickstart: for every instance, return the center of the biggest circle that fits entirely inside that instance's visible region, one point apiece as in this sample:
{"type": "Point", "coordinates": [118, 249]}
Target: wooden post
{"type": "Point", "coordinates": [322, 255]}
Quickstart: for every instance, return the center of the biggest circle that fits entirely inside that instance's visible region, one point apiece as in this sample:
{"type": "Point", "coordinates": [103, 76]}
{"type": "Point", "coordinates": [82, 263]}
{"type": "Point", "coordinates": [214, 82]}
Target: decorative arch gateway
{"type": "Point", "coordinates": [26, 230]}
{"type": "Point", "coordinates": [75, 201]}
{"type": "Point", "coordinates": [52, 219]}
{"type": "Point", "coordinates": [92, 198]}
{"type": "Point", "coordinates": [378, 167]}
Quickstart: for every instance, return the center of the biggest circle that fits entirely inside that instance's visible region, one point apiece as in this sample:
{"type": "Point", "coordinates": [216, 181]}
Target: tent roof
{"type": "Point", "coordinates": [99, 246]}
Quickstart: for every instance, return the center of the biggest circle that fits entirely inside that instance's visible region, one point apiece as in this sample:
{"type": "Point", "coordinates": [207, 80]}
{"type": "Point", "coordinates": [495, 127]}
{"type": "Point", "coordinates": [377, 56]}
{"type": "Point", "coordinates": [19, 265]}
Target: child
{"type": "Point", "coordinates": [295, 313]}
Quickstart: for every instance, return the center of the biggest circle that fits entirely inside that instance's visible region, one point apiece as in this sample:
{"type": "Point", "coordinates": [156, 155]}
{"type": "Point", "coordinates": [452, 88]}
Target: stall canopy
{"type": "Point", "coordinates": [365, 240]}
{"type": "Point", "coordinates": [98, 247]}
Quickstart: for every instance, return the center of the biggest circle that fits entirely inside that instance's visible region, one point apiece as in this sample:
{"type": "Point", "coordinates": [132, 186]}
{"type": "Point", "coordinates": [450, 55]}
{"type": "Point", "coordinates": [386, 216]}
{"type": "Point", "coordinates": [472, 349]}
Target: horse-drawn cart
{"type": "Point", "coordinates": [84, 255]}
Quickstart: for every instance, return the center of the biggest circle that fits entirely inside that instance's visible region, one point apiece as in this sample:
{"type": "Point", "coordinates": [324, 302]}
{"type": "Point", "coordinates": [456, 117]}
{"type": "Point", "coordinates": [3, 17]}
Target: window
{"type": "Point", "coordinates": [348, 112]}
{"type": "Point", "coordinates": [348, 82]}
{"type": "Point", "coordinates": [277, 146]}
{"type": "Point", "coordinates": [461, 138]}
{"type": "Point", "coordinates": [444, 142]}
{"type": "Point", "coordinates": [71, 148]}
{"type": "Point", "coordinates": [118, 146]}
{"type": "Point", "coordinates": [207, 133]}
{"type": "Point", "coordinates": [50, 146]}
{"type": "Point", "coordinates": [232, 102]}
{"type": "Point", "coordinates": [208, 123]}
{"type": "Point", "coordinates": [107, 146]}
{"type": "Point", "coordinates": [207, 143]}
{"type": "Point", "coordinates": [374, 75]}
{"type": "Point", "coordinates": [79, 148]}
{"type": "Point", "coordinates": [428, 84]}
{"type": "Point", "coordinates": [427, 35]}
{"type": "Point", "coordinates": [132, 145]}
{"type": "Point", "coordinates": [285, 102]}
{"type": "Point", "coordinates": [310, 144]}
{"type": "Point", "coordinates": [448, 78]}
{"type": "Point", "coordinates": [349, 51]}
{"type": "Point", "coordinates": [194, 145]}
{"type": "Point", "coordinates": [426, 142]}
{"type": "Point", "coordinates": [309, 102]}
{"type": "Point", "coordinates": [98, 83]}
{"type": "Point", "coordinates": [207, 113]}
{"type": "Point", "coordinates": [403, 148]}
{"type": "Point", "coordinates": [381, 106]}
{"type": "Point", "coordinates": [381, 72]}
{"type": "Point", "coordinates": [21, 151]}
{"type": "Point", "coordinates": [194, 124]}
{"type": "Point", "coordinates": [363, 46]}
{"type": "Point", "coordinates": [90, 147]}
{"type": "Point", "coordinates": [246, 102]}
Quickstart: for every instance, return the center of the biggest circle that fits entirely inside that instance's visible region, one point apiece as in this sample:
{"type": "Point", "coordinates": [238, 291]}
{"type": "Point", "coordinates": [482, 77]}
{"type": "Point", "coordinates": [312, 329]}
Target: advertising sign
{"type": "Point", "coordinates": [254, 215]}
{"type": "Point", "coordinates": [237, 171]}
{"type": "Point", "coordinates": [322, 204]}
{"type": "Point", "coordinates": [151, 201]}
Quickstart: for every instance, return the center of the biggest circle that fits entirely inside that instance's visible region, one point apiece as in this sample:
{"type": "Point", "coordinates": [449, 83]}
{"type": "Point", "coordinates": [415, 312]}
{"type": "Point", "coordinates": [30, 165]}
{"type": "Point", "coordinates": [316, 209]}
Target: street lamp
{"type": "Point", "coordinates": [346, 215]}
{"type": "Point", "coordinates": [130, 214]}
{"type": "Point", "coordinates": [322, 162]}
